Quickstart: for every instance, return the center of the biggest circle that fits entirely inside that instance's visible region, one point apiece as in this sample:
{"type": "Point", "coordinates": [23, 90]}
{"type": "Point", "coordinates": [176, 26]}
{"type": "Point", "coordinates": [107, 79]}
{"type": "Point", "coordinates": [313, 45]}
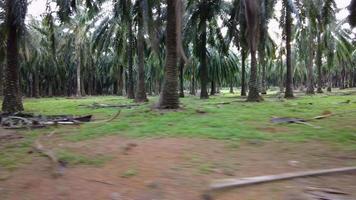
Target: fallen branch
{"type": "Point", "coordinates": [98, 181]}
{"type": "Point", "coordinates": [108, 120]}
{"type": "Point", "coordinates": [229, 183]}
{"type": "Point", "coordinates": [57, 165]}
{"type": "Point", "coordinates": [331, 115]}
{"type": "Point", "coordinates": [30, 121]}
{"type": "Point", "coordinates": [279, 120]}
{"type": "Point", "coordinates": [98, 105]}
{"type": "Point", "coordinates": [326, 190]}
{"type": "Point", "coordinates": [114, 117]}
{"type": "Point", "coordinates": [326, 195]}
{"type": "Point", "coordinates": [308, 124]}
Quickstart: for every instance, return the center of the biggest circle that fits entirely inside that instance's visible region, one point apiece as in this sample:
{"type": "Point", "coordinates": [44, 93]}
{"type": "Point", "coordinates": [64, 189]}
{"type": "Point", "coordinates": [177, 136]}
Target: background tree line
{"type": "Point", "coordinates": [167, 47]}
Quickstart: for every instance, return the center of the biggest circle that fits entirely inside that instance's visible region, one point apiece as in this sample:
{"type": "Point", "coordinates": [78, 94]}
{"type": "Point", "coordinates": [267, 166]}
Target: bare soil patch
{"type": "Point", "coordinates": [180, 168]}
{"type": "Point", "coordinates": [9, 136]}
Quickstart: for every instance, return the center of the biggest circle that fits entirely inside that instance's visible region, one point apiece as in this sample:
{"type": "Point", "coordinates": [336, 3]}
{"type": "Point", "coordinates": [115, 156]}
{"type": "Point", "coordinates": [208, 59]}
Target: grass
{"type": "Point", "coordinates": [237, 121]}
{"type": "Point", "coordinates": [78, 159]}
{"type": "Point", "coordinates": [129, 173]}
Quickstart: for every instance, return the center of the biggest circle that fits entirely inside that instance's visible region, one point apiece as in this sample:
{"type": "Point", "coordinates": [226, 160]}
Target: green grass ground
{"type": "Point", "coordinates": [237, 121]}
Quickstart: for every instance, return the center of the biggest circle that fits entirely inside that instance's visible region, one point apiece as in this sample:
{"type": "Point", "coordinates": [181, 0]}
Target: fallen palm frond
{"type": "Point", "coordinates": [57, 165]}
{"type": "Point", "coordinates": [31, 121]}
{"type": "Point", "coordinates": [239, 182]}
{"type": "Point", "coordinates": [291, 120]}
{"type": "Point", "coordinates": [101, 105]}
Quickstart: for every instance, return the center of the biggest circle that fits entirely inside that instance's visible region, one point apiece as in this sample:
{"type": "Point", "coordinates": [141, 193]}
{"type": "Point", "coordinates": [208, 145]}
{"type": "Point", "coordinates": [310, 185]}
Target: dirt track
{"type": "Point", "coordinates": [176, 169]}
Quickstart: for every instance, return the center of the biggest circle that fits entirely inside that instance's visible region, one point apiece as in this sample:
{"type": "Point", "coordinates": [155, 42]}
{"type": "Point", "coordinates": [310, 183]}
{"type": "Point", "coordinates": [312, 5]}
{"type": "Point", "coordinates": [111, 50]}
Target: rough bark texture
{"type": "Point", "coordinates": [50, 90]}
{"type": "Point", "coordinates": [36, 85]}
{"type": "Point", "coordinates": [141, 90]}
{"type": "Point", "coordinates": [253, 94]}
{"type": "Point", "coordinates": [309, 63]}
{"type": "Point", "coordinates": [181, 78]}
{"type": "Point", "coordinates": [12, 95]}
{"type": "Point", "coordinates": [263, 68]}
{"type": "Point", "coordinates": [82, 89]}
{"type": "Point", "coordinates": [243, 73]}
{"type": "Point", "coordinates": [252, 15]}
{"type": "Point", "coordinates": [262, 46]}
{"type": "Point", "coordinates": [192, 85]}
{"type": "Point", "coordinates": [231, 87]}
{"type": "Point", "coordinates": [1, 79]}
{"type": "Point", "coordinates": [120, 81]}
{"type": "Point", "coordinates": [289, 78]}
{"type": "Point", "coordinates": [130, 81]}
{"type": "Point", "coordinates": [169, 98]}
{"type": "Point", "coordinates": [330, 82]}
{"type": "Point", "coordinates": [78, 91]}
{"type": "Point", "coordinates": [203, 64]}
{"type": "Point", "coordinates": [319, 64]}
{"type": "Point", "coordinates": [281, 75]}
{"type": "Point", "coordinates": [213, 88]}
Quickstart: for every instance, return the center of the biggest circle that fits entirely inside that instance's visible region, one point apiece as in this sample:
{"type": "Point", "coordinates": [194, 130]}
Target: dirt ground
{"type": "Point", "coordinates": [181, 169]}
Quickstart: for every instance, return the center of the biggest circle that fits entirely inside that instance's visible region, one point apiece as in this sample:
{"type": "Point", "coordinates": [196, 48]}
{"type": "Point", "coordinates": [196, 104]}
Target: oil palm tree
{"type": "Point", "coordinates": [2, 59]}
{"type": "Point", "coordinates": [267, 8]}
{"type": "Point", "coordinates": [286, 20]}
{"type": "Point", "coordinates": [325, 17]}
{"type": "Point", "coordinates": [14, 20]}
{"type": "Point", "coordinates": [141, 89]}
{"type": "Point", "coordinates": [116, 31]}
{"type": "Point", "coordinates": [305, 39]}
{"type": "Point", "coordinates": [169, 97]}
{"type": "Point", "coordinates": [202, 12]}
{"type": "Point", "coordinates": [252, 15]}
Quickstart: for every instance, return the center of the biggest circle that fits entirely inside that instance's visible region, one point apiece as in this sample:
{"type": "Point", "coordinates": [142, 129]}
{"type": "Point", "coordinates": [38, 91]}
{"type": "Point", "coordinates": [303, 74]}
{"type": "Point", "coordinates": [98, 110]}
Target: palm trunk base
{"type": "Point", "coordinates": [204, 95]}
{"type": "Point", "coordinates": [319, 91]}
{"type": "Point", "coordinates": [254, 97]}
{"type": "Point", "coordinates": [12, 104]}
{"type": "Point", "coordinates": [289, 95]}
{"type": "Point", "coordinates": [309, 92]}
{"type": "Point", "coordinates": [141, 98]}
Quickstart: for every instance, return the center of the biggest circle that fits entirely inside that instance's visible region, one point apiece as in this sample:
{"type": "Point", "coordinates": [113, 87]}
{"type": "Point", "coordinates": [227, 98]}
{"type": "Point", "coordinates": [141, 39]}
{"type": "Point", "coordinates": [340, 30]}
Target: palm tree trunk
{"type": "Point", "coordinates": [213, 88]}
{"type": "Point", "coordinates": [36, 84]}
{"type": "Point", "coordinates": [243, 72]}
{"type": "Point", "coordinates": [169, 98]}
{"type": "Point", "coordinates": [252, 18]}
{"type": "Point", "coordinates": [231, 87]}
{"type": "Point", "coordinates": [330, 82]}
{"type": "Point", "coordinates": [263, 68]}
{"type": "Point", "coordinates": [130, 82]}
{"type": "Point", "coordinates": [203, 64]}
{"type": "Point", "coordinates": [288, 29]}
{"type": "Point", "coordinates": [181, 78]}
{"type": "Point", "coordinates": [78, 92]}
{"type": "Point", "coordinates": [319, 64]}
{"type": "Point", "coordinates": [141, 91]}
{"type": "Point", "coordinates": [82, 89]}
{"type": "Point", "coordinates": [253, 94]}
{"type": "Point", "coordinates": [50, 89]}
{"type": "Point", "coordinates": [12, 94]}
{"type": "Point", "coordinates": [192, 85]}
{"type": "Point", "coordinates": [120, 81]}
{"type": "Point", "coordinates": [309, 64]}
{"type": "Point", "coordinates": [262, 46]}
{"type": "Point", "coordinates": [1, 79]}
{"type": "Point", "coordinates": [281, 75]}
